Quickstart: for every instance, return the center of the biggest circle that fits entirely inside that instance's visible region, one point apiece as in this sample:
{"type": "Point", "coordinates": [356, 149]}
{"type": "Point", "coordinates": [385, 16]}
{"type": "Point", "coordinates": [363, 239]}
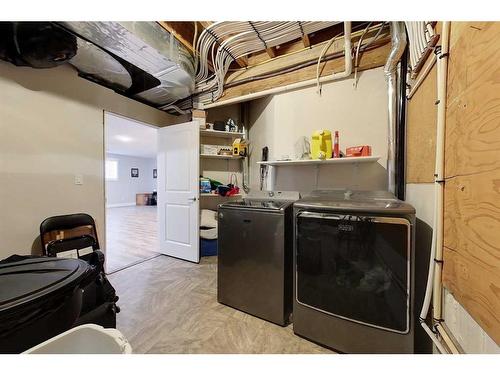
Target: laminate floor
{"type": "Point", "coordinates": [131, 235]}
{"type": "Point", "coordinates": [170, 306]}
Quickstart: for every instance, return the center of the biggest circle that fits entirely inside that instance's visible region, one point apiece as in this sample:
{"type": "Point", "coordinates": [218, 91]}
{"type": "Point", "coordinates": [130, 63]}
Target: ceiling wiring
{"type": "Point", "coordinates": [356, 55]}
{"type": "Point", "coordinates": [224, 42]}
{"type": "Point", "coordinates": [220, 44]}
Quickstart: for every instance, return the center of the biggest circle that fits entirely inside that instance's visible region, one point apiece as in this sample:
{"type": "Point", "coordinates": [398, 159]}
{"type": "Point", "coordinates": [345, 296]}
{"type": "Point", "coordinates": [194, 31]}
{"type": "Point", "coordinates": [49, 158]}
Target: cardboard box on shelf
{"type": "Point", "coordinates": [358, 151]}
{"type": "Point", "coordinates": [209, 149]}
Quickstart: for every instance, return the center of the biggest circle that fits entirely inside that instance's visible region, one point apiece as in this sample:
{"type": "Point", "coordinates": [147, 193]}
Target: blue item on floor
{"type": "Point", "coordinates": [208, 247]}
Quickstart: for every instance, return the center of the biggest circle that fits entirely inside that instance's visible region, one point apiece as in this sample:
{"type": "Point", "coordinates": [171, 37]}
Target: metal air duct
{"type": "Point", "coordinates": [140, 60]}
{"type": "Point", "coordinates": [398, 40]}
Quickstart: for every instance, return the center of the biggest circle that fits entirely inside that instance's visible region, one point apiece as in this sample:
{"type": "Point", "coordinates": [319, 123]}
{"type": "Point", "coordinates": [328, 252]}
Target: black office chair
{"type": "Point", "coordinates": [78, 233]}
{"type": "Point", "coordinates": [69, 232]}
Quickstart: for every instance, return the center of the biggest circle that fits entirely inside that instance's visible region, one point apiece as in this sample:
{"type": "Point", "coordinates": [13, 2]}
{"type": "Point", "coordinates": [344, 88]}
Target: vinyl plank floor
{"type": "Point", "coordinates": [131, 235]}
{"type": "Point", "coordinates": [170, 306]}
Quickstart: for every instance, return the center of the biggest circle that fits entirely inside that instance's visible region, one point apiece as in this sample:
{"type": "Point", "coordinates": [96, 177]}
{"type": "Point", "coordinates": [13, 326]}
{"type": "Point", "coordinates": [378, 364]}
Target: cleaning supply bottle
{"type": "Point", "coordinates": [321, 144]}
{"type": "Point", "coordinates": [336, 150]}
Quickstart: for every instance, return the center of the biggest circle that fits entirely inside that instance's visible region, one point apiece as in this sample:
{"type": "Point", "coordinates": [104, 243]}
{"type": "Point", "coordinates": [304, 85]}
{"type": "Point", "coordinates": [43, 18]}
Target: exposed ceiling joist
{"type": "Point", "coordinates": [304, 55]}
{"type": "Point", "coordinates": [305, 41]}
{"type": "Point", "coordinates": [261, 76]}
{"type": "Point", "coordinates": [371, 59]}
{"type": "Point", "coordinates": [242, 62]}
{"type": "Point", "coordinates": [271, 52]}
{"type": "Point", "coordinates": [182, 31]}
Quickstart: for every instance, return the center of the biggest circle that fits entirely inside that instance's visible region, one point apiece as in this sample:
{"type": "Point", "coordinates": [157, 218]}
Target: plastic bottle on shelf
{"type": "Point", "coordinates": [336, 151]}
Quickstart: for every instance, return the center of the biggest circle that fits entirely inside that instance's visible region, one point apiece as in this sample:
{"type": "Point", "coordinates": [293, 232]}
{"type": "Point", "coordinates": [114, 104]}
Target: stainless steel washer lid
{"type": "Point", "coordinates": [258, 204]}
{"type": "Point", "coordinates": [355, 201]}
{"type": "Point", "coordinates": [265, 200]}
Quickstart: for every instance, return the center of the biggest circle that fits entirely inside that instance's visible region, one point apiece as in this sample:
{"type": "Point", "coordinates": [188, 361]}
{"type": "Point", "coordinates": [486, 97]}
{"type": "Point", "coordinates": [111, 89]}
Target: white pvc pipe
{"type": "Point", "coordinates": [347, 53]}
{"type": "Point", "coordinates": [430, 278]}
{"type": "Point", "coordinates": [274, 90]}
{"type": "Point", "coordinates": [434, 338]}
{"type": "Point", "coordinates": [447, 339]}
{"type": "Point", "coordinates": [430, 275]}
{"type": "Point", "coordinates": [442, 69]}
{"type": "Point", "coordinates": [434, 282]}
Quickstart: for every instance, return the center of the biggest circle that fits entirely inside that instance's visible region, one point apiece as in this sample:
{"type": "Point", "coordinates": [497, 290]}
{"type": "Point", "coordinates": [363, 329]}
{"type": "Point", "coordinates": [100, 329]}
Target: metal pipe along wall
{"type": "Point", "coordinates": [398, 36]}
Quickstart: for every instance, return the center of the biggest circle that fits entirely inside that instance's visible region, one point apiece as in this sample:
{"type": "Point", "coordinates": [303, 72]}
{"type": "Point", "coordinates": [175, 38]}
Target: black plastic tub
{"type": "Point", "coordinates": [39, 298]}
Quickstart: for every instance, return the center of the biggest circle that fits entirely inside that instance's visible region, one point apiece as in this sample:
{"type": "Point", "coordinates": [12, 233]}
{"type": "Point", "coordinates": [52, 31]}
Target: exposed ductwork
{"type": "Point", "coordinates": [145, 45]}
{"type": "Point", "coordinates": [398, 40]}
{"type": "Point", "coordinates": [140, 60]}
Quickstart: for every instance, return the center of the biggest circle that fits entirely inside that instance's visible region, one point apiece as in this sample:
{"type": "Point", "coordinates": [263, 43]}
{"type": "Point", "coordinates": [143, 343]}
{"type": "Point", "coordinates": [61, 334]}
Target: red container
{"type": "Point", "coordinates": [336, 151]}
{"type": "Point", "coordinates": [358, 151]}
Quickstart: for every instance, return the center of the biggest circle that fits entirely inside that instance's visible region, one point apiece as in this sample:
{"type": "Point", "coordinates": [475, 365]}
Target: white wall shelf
{"type": "Point", "coordinates": [227, 157]}
{"type": "Point", "coordinates": [346, 160]}
{"type": "Point", "coordinates": [220, 134]}
{"type": "Point", "coordinates": [353, 161]}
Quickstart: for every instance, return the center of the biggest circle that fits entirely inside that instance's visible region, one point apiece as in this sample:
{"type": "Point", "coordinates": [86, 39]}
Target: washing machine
{"type": "Point", "coordinates": [254, 263]}
{"type": "Point", "coordinates": [354, 271]}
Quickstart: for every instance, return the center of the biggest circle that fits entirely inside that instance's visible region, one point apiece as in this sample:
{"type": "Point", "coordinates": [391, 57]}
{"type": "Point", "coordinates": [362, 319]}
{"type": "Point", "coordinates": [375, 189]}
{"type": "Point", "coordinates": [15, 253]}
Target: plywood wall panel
{"type": "Point", "coordinates": [477, 290]}
{"type": "Point", "coordinates": [472, 170]}
{"type": "Point", "coordinates": [472, 220]}
{"type": "Point", "coordinates": [457, 70]}
{"type": "Point", "coordinates": [421, 132]}
{"type": "Point", "coordinates": [473, 126]}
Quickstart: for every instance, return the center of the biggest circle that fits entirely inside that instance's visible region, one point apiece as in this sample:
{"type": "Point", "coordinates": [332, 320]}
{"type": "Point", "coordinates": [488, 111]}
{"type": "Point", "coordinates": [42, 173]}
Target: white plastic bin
{"type": "Point", "coordinates": [85, 339]}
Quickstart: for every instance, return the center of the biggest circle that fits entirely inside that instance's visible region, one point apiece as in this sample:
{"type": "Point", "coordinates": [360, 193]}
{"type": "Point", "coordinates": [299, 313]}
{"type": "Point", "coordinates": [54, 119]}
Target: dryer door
{"type": "Point", "coordinates": [355, 267]}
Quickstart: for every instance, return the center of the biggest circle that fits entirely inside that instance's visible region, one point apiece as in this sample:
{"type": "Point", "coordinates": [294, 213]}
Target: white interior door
{"type": "Point", "coordinates": [178, 190]}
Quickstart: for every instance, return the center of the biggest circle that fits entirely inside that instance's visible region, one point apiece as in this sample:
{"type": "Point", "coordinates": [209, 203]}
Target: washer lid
{"type": "Point", "coordinates": [258, 204]}
{"type": "Point", "coordinates": [355, 201]}
{"type": "Point", "coordinates": [33, 279]}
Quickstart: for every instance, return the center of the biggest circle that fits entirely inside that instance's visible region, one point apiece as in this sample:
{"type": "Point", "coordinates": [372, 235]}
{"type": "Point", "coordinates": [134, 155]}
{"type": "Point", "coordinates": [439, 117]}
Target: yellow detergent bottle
{"type": "Point", "coordinates": [321, 145]}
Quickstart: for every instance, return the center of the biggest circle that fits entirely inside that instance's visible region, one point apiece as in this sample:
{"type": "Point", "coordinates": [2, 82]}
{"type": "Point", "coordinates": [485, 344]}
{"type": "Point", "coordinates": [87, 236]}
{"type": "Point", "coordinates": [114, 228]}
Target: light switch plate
{"type": "Point", "coordinates": [78, 179]}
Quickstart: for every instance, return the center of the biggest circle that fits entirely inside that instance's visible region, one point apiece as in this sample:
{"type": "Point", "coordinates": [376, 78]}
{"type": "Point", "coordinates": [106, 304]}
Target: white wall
{"type": "Point", "coordinates": [121, 192]}
{"type": "Point", "coordinates": [51, 128]}
{"type": "Point", "coordinates": [471, 337]}
{"type": "Point", "coordinates": [360, 116]}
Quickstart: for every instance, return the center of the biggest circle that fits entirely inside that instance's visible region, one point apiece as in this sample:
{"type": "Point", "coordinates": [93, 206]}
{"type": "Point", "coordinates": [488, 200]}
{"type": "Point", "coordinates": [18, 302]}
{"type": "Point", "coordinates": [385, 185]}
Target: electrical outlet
{"type": "Point", "coordinates": [78, 179]}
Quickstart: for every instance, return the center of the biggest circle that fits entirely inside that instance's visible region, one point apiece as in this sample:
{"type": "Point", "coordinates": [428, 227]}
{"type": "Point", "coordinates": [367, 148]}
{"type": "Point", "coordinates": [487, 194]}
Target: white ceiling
{"type": "Point", "coordinates": [129, 137]}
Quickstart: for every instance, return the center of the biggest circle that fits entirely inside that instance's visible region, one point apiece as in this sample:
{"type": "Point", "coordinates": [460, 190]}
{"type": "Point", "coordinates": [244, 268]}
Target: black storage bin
{"type": "Point", "coordinates": [39, 299]}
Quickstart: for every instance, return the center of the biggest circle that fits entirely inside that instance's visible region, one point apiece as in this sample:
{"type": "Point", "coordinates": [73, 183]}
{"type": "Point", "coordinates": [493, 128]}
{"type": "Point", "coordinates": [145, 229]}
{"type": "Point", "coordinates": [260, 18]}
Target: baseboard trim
{"type": "Point", "coordinates": [120, 205]}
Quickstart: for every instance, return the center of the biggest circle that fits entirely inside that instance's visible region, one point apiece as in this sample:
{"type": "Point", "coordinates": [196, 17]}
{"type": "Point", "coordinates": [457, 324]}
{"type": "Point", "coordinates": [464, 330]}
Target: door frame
{"type": "Point", "coordinates": [139, 122]}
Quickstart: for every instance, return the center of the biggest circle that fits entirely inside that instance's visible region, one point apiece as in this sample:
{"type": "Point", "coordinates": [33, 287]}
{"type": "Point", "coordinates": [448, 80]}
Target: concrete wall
{"type": "Point", "coordinates": [51, 129]}
{"type": "Point", "coordinates": [121, 192]}
{"type": "Point", "coordinates": [360, 116]}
